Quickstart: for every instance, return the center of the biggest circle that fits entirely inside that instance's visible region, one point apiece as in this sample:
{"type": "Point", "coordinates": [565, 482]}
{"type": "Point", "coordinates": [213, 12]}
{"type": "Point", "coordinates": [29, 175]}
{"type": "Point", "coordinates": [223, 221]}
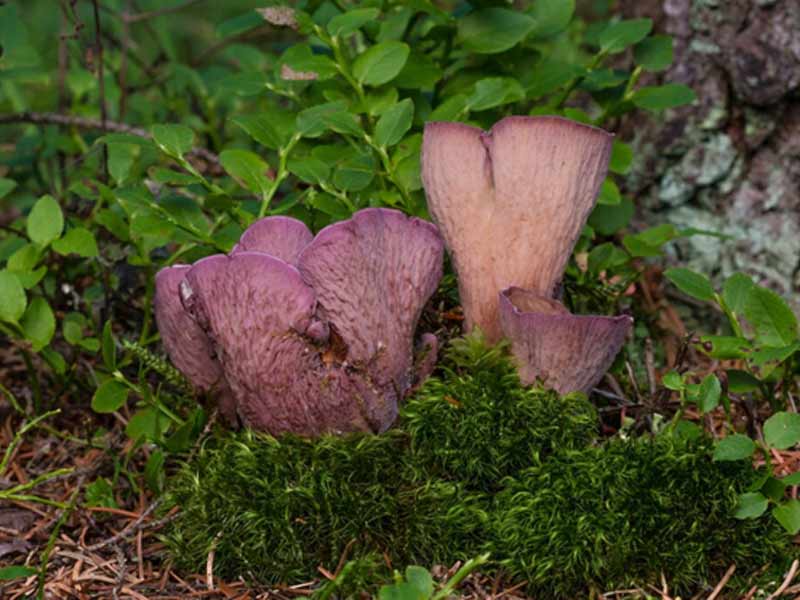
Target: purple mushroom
{"type": "Point", "coordinates": [511, 204]}
{"type": "Point", "coordinates": [568, 353]}
{"type": "Point", "coordinates": [306, 335]}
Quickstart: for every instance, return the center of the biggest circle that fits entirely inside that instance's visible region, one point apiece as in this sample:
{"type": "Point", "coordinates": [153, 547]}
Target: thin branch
{"type": "Point", "coordinates": [98, 44]}
{"type": "Point", "coordinates": [723, 582]}
{"type": "Point", "coordinates": [158, 13]}
{"type": "Point", "coordinates": [89, 123]}
{"type": "Point", "coordinates": [786, 582]}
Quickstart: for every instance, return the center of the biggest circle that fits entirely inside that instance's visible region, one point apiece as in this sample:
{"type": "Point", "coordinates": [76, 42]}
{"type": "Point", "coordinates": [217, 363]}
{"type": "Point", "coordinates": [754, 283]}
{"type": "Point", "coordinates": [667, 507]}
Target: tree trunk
{"type": "Point", "coordinates": [730, 163]}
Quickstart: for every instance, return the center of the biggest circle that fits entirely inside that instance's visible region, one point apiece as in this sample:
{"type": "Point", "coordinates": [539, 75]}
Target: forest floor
{"type": "Point", "coordinates": [86, 541]}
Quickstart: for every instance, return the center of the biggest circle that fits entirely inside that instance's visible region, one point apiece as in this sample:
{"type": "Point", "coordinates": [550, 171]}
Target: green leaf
{"type": "Point", "coordinates": [174, 140]}
{"type": "Point", "coordinates": [793, 479]}
{"type": "Point", "coordinates": [649, 242]}
{"type": "Point", "coordinates": [492, 30]}
{"type": "Point", "coordinates": [6, 185]}
{"type": "Point", "coordinates": [154, 471]}
{"type": "Point", "coordinates": [734, 447]}
{"type": "Point", "coordinates": [419, 73]}
{"type": "Point", "coordinates": [782, 430]}
{"type": "Point", "coordinates": [314, 121]}
{"type": "Point", "coordinates": [351, 21]}
{"type": "Point", "coordinates": [121, 158]}
{"type": "Point", "coordinates": [239, 24]}
{"type": "Point", "coordinates": [726, 346]}
{"type": "Point", "coordinates": [549, 75]}
{"type": "Point", "coordinates": [309, 169]}
{"type": "Point", "coordinates": [170, 177]}
{"type": "Point", "coordinates": [551, 16]}
{"type": "Point", "coordinates": [673, 381]}
{"type": "Point", "coordinates": [751, 505]}
{"type": "Point", "coordinates": [329, 205]}
{"type": "Point", "coordinates": [741, 382]}
{"type": "Point", "coordinates": [78, 240]}
{"type": "Point", "coordinates": [380, 100]}
{"type": "Point", "coordinates": [788, 515]}
{"type": "Point", "coordinates": [622, 34]}
{"type": "Point", "coordinates": [421, 580]}
{"type": "Point", "coordinates": [603, 79]}
{"type": "Point", "coordinates": [774, 322]}
{"type": "Point", "coordinates": [495, 91]}
{"type": "Point", "coordinates": [709, 393]}
{"type": "Point", "coordinates": [109, 397]}
{"type": "Point", "coordinates": [654, 53]}
{"type": "Point", "coordinates": [72, 327]}
{"type": "Point", "coordinates": [691, 283]}
{"type": "Point", "coordinates": [24, 259]}
{"type": "Point", "coordinates": [46, 221]}
{"type": "Point", "coordinates": [355, 172]}
{"type": "Point", "coordinates": [271, 129]}
{"type": "Point", "coordinates": [39, 323]}
{"type": "Point", "coordinates": [380, 63]}
{"type": "Point", "coordinates": [394, 123]}
{"type": "Point", "coordinates": [12, 297]}
{"type": "Point", "coordinates": [100, 493]}
{"type": "Point", "coordinates": [148, 423]}
{"type": "Point", "coordinates": [609, 193]}
{"type": "Point", "coordinates": [736, 290]}
{"type": "Point", "coordinates": [763, 356]}
{"type": "Point", "coordinates": [16, 572]}
{"type": "Point", "coordinates": [621, 157]}
{"type": "Point", "coordinates": [661, 97]}
{"type": "Point", "coordinates": [451, 109]}
{"type": "Point", "coordinates": [109, 347]}
{"type": "Point", "coordinates": [301, 58]}
{"type": "Point", "coordinates": [247, 169]}
{"type": "Point", "coordinates": [607, 220]}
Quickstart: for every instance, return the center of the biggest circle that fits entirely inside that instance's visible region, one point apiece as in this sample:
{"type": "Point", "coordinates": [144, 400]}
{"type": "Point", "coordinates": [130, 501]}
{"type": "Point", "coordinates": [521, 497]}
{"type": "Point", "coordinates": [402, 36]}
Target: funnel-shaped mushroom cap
{"type": "Point", "coordinates": [257, 311]}
{"type": "Point", "coordinates": [186, 343]}
{"type": "Point", "coordinates": [511, 203]}
{"type": "Point", "coordinates": [328, 350]}
{"type": "Point", "coordinates": [570, 353]}
{"type": "Point", "coordinates": [373, 275]}
{"type": "Point", "coordinates": [281, 237]}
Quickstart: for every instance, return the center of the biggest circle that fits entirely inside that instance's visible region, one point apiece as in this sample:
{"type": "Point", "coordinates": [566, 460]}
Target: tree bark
{"type": "Point", "coordinates": [729, 163]}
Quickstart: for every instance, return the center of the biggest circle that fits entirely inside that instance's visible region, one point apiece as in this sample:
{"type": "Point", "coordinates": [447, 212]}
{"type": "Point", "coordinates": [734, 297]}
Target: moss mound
{"type": "Point", "coordinates": [477, 424]}
{"type": "Point", "coordinates": [275, 510]}
{"type": "Point", "coordinates": [618, 515]}
{"type": "Point", "coordinates": [478, 464]}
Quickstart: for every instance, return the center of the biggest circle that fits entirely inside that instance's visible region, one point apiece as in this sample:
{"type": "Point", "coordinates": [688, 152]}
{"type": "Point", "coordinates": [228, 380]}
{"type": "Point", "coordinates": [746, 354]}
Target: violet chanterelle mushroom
{"type": "Point", "coordinates": [511, 204]}
{"type": "Point", "coordinates": [305, 334]}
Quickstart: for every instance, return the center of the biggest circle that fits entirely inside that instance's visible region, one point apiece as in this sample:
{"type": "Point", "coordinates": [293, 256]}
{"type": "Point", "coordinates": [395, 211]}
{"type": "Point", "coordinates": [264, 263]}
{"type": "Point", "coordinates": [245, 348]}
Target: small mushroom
{"type": "Point", "coordinates": [306, 336]}
{"type": "Point", "coordinates": [569, 353]}
{"type": "Point", "coordinates": [511, 203]}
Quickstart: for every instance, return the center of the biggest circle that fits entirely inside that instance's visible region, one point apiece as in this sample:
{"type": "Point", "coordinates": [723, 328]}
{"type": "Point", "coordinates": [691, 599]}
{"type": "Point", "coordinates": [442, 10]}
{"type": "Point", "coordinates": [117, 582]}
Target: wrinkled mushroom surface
{"type": "Point", "coordinates": [511, 203]}
{"type": "Point", "coordinates": [569, 353]}
{"type": "Point", "coordinates": [323, 346]}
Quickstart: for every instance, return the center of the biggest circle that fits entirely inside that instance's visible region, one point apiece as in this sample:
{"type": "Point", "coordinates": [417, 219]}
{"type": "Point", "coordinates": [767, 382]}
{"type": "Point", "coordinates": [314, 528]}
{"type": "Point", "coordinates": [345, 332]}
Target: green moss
{"type": "Point", "coordinates": [620, 514]}
{"type": "Point", "coordinates": [476, 424]}
{"type": "Point", "coordinates": [479, 464]}
{"type": "Point", "coordinates": [275, 510]}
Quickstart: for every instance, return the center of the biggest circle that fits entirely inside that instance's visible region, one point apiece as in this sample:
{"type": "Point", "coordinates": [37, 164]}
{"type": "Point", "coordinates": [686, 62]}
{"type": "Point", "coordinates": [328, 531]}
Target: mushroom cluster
{"type": "Point", "coordinates": [303, 334]}
{"type": "Point", "coordinates": [511, 204]}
